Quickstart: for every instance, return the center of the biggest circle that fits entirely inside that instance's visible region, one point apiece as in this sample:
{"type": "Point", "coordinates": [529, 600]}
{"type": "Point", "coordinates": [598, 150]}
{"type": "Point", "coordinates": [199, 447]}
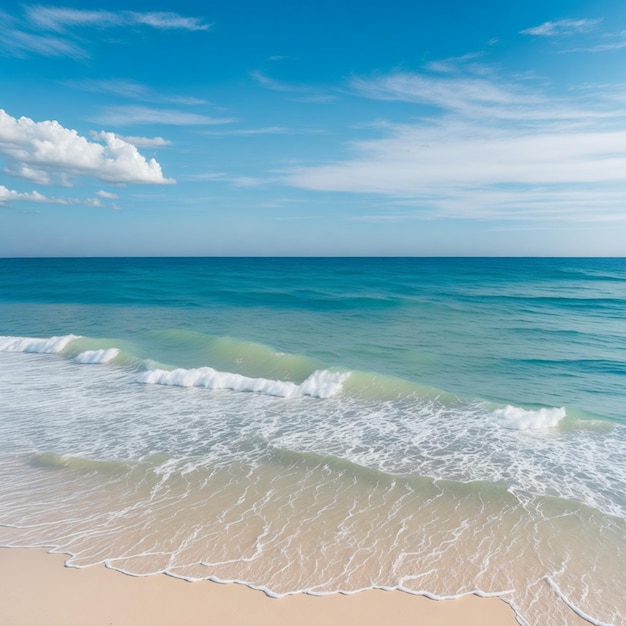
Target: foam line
{"type": "Point", "coordinates": [34, 344]}
{"type": "Point", "coordinates": [97, 356]}
{"type": "Point", "coordinates": [516, 418]}
{"type": "Point", "coordinates": [320, 384]}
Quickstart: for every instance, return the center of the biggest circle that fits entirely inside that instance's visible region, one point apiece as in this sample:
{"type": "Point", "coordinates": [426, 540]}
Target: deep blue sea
{"type": "Point", "coordinates": [440, 426]}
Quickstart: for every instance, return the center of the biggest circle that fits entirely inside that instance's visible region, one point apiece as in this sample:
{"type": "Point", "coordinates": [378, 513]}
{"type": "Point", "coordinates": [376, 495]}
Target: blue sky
{"type": "Point", "coordinates": [313, 128]}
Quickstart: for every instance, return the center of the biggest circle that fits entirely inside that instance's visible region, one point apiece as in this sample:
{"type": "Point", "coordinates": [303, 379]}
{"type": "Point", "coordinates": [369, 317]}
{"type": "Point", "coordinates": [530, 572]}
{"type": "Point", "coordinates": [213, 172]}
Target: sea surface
{"type": "Point", "coordinates": [439, 426]}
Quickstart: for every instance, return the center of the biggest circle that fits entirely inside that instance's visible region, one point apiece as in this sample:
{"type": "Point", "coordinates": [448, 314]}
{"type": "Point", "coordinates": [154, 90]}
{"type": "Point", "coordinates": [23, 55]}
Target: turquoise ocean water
{"type": "Point", "coordinates": [441, 426]}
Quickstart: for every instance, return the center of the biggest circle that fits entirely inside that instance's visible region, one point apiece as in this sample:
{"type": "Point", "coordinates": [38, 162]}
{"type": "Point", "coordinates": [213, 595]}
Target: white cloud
{"type": "Point", "coordinates": [146, 142]}
{"type": "Point", "coordinates": [22, 36]}
{"type": "Point", "coordinates": [19, 43]}
{"type": "Point", "coordinates": [129, 114]}
{"type": "Point", "coordinates": [107, 195]}
{"type": "Point", "coordinates": [611, 41]}
{"type": "Point", "coordinates": [59, 19]}
{"type": "Point", "coordinates": [562, 27]}
{"type": "Point", "coordinates": [307, 94]}
{"type": "Point", "coordinates": [237, 181]}
{"type": "Point", "coordinates": [130, 89]}
{"type": "Point", "coordinates": [266, 130]}
{"type": "Point", "coordinates": [466, 95]}
{"type": "Point", "coordinates": [8, 194]}
{"type": "Point", "coordinates": [139, 142]}
{"type": "Point", "coordinates": [167, 20]}
{"type": "Point", "coordinates": [453, 64]}
{"type": "Point", "coordinates": [53, 153]}
{"type": "Point", "coordinates": [485, 148]}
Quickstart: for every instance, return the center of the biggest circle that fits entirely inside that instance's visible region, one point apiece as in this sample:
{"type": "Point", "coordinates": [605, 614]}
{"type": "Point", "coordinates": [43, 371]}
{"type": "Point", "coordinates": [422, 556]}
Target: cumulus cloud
{"type": "Point", "coordinates": [9, 194]}
{"type": "Point", "coordinates": [48, 152]}
{"type": "Point", "coordinates": [562, 27]}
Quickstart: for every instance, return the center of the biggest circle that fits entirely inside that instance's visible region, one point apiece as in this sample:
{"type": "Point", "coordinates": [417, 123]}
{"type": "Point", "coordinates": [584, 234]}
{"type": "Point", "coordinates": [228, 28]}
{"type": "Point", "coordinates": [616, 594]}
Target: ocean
{"type": "Point", "coordinates": [439, 426]}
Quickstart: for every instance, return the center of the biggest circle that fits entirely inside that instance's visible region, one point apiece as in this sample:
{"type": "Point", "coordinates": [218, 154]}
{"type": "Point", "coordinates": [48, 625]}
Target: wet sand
{"type": "Point", "coordinates": [36, 588]}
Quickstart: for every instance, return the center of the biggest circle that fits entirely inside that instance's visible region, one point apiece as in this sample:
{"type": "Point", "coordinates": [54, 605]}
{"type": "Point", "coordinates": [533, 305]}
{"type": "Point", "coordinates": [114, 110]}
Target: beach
{"type": "Point", "coordinates": [38, 589]}
{"type": "Point", "coordinates": [311, 432]}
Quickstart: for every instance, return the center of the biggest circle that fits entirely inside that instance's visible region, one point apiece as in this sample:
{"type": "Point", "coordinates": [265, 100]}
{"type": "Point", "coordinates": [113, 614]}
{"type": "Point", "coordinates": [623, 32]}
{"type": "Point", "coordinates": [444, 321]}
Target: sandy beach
{"type": "Point", "coordinates": [36, 588]}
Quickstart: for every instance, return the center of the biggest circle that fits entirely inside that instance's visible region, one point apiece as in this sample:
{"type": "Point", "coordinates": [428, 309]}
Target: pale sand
{"type": "Point", "coordinates": [36, 589]}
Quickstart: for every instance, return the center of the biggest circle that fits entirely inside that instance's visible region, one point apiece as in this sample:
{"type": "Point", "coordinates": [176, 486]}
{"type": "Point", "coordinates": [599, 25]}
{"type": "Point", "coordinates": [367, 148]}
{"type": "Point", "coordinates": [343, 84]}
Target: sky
{"type": "Point", "coordinates": [325, 128]}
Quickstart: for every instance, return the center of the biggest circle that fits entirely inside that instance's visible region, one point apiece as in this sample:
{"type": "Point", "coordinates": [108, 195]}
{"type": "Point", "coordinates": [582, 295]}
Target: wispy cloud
{"type": "Point", "coordinates": [266, 130]}
{"type": "Point", "coordinates": [47, 152]}
{"type": "Point", "coordinates": [127, 88]}
{"type": "Point", "coordinates": [20, 43]}
{"type": "Point", "coordinates": [146, 142]}
{"type": "Point", "coordinates": [562, 27]}
{"type": "Point", "coordinates": [129, 115]}
{"type": "Point", "coordinates": [485, 147]}
{"type": "Point", "coordinates": [467, 95]}
{"type": "Point", "coordinates": [60, 19]}
{"type": "Point", "coordinates": [50, 30]}
{"type": "Point", "coordinates": [301, 93]}
{"type": "Point", "coordinates": [237, 181]}
{"type": "Point", "coordinates": [610, 41]}
{"type": "Point", "coordinates": [454, 64]}
{"type": "Point", "coordinates": [276, 85]}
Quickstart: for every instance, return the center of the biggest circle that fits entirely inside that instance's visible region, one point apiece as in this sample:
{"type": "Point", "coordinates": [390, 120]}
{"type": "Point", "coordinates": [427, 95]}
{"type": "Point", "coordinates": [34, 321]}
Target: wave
{"type": "Point", "coordinates": [277, 374]}
{"type": "Point", "coordinates": [320, 384]}
{"type": "Point", "coordinates": [50, 345]}
{"type": "Point", "coordinates": [103, 355]}
{"type": "Point", "coordinates": [516, 418]}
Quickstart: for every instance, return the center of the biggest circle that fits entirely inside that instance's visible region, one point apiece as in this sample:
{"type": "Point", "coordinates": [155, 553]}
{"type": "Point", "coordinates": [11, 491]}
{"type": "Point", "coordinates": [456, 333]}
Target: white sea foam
{"type": "Point", "coordinates": [516, 418]}
{"type": "Point", "coordinates": [320, 384]}
{"type": "Point", "coordinates": [97, 356]}
{"type": "Point", "coordinates": [34, 344]}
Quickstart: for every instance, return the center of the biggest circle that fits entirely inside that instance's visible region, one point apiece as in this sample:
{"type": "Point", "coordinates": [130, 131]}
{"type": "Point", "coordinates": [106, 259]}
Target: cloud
{"type": "Point", "coordinates": [146, 142]}
{"type": "Point", "coordinates": [8, 196]}
{"type": "Point", "coordinates": [34, 196]}
{"type": "Point", "coordinates": [167, 20]}
{"type": "Point", "coordinates": [52, 153]}
{"type": "Point", "coordinates": [125, 115]}
{"type": "Point", "coordinates": [482, 98]}
{"type": "Point", "coordinates": [130, 89]}
{"type": "Point", "coordinates": [50, 31]}
{"type": "Point", "coordinates": [237, 181]}
{"type": "Point", "coordinates": [562, 27]}
{"type": "Point", "coordinates": [19, 43]}
{"type": "Point", "coordinates": [453, 64]}
{"type": "Point", "coordinates": [466, 95]}
{"type": "Point", "coordinates": [266, 130]}
{"type": "Point", "coordinates": [139, 142]}
{"type": "Point", "coordinates": [306, 94]}
{"type": "Point", "coordinates": [484, 148]}
{"type": "Point", "coordinates": [612, 41]}
{"type": "Point", "coordinates": [60, 19]}
{"type": "Point", "coordinates": [107, 195]}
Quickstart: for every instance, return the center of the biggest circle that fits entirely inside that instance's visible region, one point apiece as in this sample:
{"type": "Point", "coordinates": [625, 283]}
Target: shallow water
{"type": "Point", "coordinates": [440, 426]}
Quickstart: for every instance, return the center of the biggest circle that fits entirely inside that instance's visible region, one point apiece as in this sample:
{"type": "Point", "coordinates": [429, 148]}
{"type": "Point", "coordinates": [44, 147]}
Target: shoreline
{"type": "Point", "coordinates": [37, 588]}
